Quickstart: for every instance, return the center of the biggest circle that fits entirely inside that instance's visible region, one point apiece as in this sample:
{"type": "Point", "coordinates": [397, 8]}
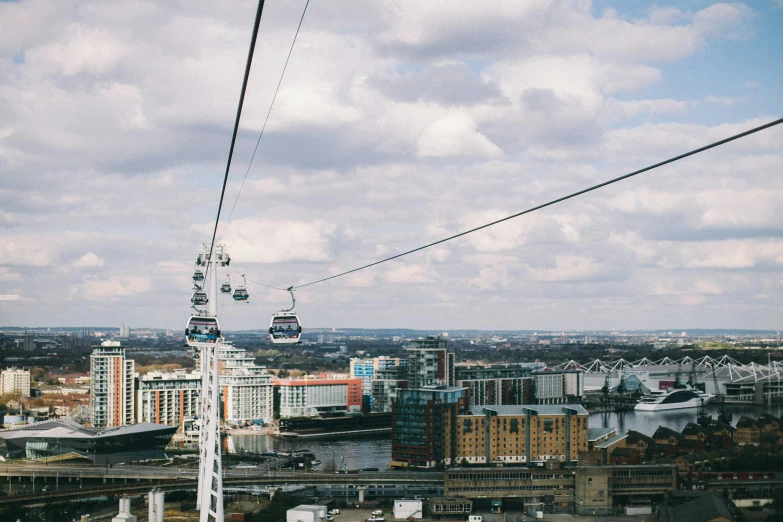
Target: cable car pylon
{"type": "Point", "coordinates": [204, 336]}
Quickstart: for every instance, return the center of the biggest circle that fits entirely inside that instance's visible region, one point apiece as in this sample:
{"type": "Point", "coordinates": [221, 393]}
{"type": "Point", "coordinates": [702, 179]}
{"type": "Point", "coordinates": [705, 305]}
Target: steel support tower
{"type": "Point", "coordinates": [210, 477]}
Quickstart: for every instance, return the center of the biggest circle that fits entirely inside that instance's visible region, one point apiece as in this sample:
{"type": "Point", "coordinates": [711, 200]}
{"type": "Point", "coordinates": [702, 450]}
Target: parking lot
{"type": "Point", "coordinates": [357, 515]}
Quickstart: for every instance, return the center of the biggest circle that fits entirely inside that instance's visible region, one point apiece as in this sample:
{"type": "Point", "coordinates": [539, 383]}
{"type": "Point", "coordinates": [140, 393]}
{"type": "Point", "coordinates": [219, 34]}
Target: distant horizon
{"type": "Point", "coordinates": [674, 331]}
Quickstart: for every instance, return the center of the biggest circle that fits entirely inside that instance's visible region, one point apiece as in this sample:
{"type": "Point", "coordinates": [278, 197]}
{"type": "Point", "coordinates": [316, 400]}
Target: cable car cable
{"type": "Point", "coordinates": [263, 127]}
{"type": "Point", "coordinates": [236, 122]}
{"type": "Point", "coordinates": [552, 202]}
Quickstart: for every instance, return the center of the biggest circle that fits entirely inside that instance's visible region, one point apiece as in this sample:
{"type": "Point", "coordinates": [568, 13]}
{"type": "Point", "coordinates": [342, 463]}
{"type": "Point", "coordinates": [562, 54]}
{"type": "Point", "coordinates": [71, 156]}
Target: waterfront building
{"type": "Point", "coordinates": [111, 386]}
{"type": "Point", "coordinates": [247, 392]}
{"type": "Point", "coordinates": [15, 381]}
{"type": "Point", "coordinates": [521, 434]}
{"type": "Point", "coordinates": [308, 397]}
{"type": "Point", "coordinates": [559, 386]}
{"type": "Point", "coordinates": [385, 384]}
{"type": "Point", "coordinates": [53, 438]}
{"type": "Point", "coordinates": [168, 397]}
{"type": "Point", "coordinates": [425, 426]}
{"type": "Point", "coordinates": [498, 384]}
{"type": "Point", "coordinates": [430, 363]}
{"type": "Point", "coordinates": [248, 395]}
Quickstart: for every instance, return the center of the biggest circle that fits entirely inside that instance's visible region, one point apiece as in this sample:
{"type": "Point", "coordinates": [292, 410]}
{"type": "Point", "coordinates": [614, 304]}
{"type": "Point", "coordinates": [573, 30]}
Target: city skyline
{"type": "Point", "coordinates": [394, 126]}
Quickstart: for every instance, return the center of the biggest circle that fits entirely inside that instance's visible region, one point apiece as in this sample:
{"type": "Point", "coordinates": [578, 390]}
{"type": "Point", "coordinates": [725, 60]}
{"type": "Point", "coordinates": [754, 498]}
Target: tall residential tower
{"type": "Point", "coordinates": [111, 386]}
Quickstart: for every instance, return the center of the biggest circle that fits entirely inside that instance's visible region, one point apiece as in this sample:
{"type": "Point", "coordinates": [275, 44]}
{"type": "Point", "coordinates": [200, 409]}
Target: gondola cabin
{"type": "Point", "coordinates": [225, 288]}
{"type": "Point", "coordinates": [240, 294]}
{"type": "Point", "coordinates": [202, 329]}
{"type": "Point", "coordinates": [285, 328]}
{"type": "Point", "coordinates": [199, 298]}
{"type": "Point", "coordinates": [198, 275]}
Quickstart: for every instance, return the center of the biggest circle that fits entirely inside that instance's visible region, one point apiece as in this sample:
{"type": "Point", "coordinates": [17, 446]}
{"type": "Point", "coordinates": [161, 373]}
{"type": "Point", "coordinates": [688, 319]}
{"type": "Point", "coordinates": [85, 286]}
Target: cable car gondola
{"type": "Point", "coordinates": [199, 298]}
{"type": "Point", "coordinates": [285, 327]}
{"type": "Point", "coordinates": [202, 329]}
{"type": "Point", "coordinates": [198, 275]}
{"type": "Point", "coordinates": [226, 287]}
{"type": "Point", "coordinates": [240, 293]}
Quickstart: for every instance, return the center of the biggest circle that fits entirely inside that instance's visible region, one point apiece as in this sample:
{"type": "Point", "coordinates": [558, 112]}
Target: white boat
{"type": "Point", "coordinates": [672, 399]}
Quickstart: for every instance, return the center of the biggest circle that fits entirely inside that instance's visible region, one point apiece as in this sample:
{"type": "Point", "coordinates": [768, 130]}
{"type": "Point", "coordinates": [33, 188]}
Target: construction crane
{"type": "Point", "coordinates": [724, 415]}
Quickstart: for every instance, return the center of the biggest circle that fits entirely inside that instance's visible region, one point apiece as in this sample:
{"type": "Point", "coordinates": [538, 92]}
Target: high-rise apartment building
{"type": "Point", "coordinates": [498, 384]}
{"type": "Point", "coordinates": [111, 386]}
{"type": "Point", "coordinates": [124, 330]}
{"type": "Point", "coordinates": [429, 363]}
{"type": "Point", "coordinates": [168, 397]}
{"type": "Point", "coordinates": [385, 384]}
{"type": "Point", "coordinates": [15, 381]}
{"type": "Point", "coordinates": [246, 388]}
{"type": "Point", "coordinates": [425, 427]}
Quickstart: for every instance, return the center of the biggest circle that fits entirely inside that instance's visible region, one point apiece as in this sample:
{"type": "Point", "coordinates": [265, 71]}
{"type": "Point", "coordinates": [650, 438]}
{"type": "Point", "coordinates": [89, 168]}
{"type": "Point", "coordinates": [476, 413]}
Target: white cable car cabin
{"type": "Point", "coordinates": [285, 328]}
{"type": "Point", "coordinates": [202, 329]}
{"type": "Point", "coordinates": [198, 275]}
{"type": "Point", "coordinates": [199, 298]}
{"type": "Point", "coordinates": [240, 292]}
{"type": "Point", "coordinates": [225, 288]}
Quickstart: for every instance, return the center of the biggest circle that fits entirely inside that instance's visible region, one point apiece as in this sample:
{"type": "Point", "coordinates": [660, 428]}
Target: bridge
{"type": "Point", "coordinates": [34, 484]}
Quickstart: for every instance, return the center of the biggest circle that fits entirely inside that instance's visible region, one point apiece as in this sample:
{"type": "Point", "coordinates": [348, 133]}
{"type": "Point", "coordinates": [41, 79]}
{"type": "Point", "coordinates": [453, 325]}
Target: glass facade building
{"type": "Point", "coordinates": [424, 426]}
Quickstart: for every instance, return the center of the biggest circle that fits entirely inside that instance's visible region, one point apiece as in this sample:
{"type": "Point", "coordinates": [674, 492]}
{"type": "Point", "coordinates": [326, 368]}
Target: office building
{"type": "Point", "coordinates": [366, 369]}
{"type": "Point", "coordinates": [15, 381]}
{"type": "Point", "coordinates": [124, 330]}
{"type": "Point", "coordinates": [425, 426]}
{"type": "Point", "coordinates": [111, 386]}
{"type": "Point", "coordinates": [521, 434]}
{"type": "Point", "coordinates": [308, 397]}
{"type": "Point", "coordinates": [429, 363]}
{"type": "Point", "coordinates": [559, 386]}
{"type": "Point", "coordinates": [168, 397]}
{"type": "Point", "coordinates": [498, 384]}
{"type": "Point", "coordinates": [385, 384]}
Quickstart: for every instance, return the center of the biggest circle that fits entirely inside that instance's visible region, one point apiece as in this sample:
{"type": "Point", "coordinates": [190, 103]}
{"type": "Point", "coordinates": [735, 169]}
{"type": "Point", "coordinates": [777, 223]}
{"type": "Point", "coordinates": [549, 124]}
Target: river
{"type": "Point", "coordinates": [375, 452]}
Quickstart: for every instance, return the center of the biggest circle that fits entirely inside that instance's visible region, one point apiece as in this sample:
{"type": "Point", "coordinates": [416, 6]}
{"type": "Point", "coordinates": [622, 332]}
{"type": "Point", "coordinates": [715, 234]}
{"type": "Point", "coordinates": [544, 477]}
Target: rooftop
{"type": "Point", "coordinates": [594, 434]}
{"type": "Point", "coordinates": [540, 409]}
{"type": "Point", "coordinates": [610, 442]}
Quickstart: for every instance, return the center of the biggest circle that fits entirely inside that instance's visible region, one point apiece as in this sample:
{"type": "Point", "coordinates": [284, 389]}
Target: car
{"type": "Point", "coordinates": [45, 489]}
{"type": "Point", "coordinates": [334, 512]}
{"type": "Point", "coordinates": [330, 518]}
{"type": "Point", "coordinates": [377, 512]}
{"type": "Point", "coordinates": [375, 519]}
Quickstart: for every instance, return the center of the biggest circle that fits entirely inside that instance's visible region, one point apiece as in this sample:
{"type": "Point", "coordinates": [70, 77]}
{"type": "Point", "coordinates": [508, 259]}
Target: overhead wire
{"type": "Point", "coordinates": [266, 120]}
{"type": "Point", "coordinates": [250, 52]}
{"type": "Point", "coordinates": [549, 203]}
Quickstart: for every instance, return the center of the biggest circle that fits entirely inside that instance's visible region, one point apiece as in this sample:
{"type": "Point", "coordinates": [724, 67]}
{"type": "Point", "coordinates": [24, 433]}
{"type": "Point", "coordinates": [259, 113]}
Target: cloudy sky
{"type": "Point", "coordinates": [397, 123]}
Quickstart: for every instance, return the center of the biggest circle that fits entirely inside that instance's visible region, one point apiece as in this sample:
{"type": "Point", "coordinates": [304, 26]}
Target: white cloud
{"type": "Point", "coordinates": [273, 241]}
{"type": "Point", "coordinates": [111, 288]}
{"type": "Point", "coordinates": [401, 273]}
{"type": "Point", "coordinates": [455, 135]}
{"type": "Point", "coordinates": [88, 260]}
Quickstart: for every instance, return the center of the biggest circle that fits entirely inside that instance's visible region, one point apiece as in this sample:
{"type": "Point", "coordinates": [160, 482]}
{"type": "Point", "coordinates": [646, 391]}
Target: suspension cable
{"type": "Point", "coordinates": [263, 127]}
{"type": "Point", "coordinates": [552, 202]}
{"type": "Point", "coordinates": [236, 123]}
